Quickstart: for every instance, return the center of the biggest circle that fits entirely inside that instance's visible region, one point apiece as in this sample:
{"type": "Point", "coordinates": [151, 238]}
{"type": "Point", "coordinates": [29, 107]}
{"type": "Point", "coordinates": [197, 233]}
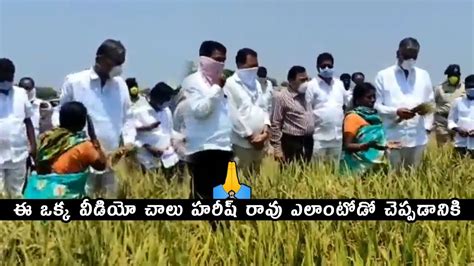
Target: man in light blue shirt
{"type": "Point", "coordinates": [207, 121]}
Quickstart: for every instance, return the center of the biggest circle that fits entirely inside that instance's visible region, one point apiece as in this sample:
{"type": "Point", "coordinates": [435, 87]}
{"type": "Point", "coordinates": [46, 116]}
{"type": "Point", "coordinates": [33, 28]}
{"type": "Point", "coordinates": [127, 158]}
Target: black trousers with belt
{"type": "Point", "coordinates": [208, 169]}
{"type": "Point", "coordinates": [297, 147]}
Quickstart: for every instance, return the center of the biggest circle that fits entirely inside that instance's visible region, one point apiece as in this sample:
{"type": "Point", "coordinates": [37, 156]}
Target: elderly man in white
{"type": "Point", "coordinates": [400, 88]}
{"type": "Point", "coordinates": [327, 96]}
{"type": "Point", "coordinates": [248, 111]}
{"type": "Point", "coordinates": [105, 95]}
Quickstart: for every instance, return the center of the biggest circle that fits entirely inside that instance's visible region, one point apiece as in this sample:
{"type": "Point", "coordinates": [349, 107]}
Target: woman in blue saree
{"type": "Point", "coordinates": [64, 157]}
{"type": "Point", "coordinates": [365, 142]}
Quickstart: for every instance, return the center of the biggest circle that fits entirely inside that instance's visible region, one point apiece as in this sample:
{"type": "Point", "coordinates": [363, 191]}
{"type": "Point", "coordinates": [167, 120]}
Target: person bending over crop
{"type": "Point", "coordinates": [64, 156]}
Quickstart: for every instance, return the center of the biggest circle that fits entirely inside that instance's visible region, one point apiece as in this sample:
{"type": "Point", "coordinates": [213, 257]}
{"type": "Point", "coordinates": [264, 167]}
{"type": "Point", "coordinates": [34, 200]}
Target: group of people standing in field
{"type": "Point", "coordinates": [214, 119]}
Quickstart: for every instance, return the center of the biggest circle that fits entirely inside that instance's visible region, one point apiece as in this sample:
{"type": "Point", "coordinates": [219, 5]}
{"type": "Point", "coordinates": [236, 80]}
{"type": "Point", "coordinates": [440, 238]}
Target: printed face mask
{"type": "Point", "coordinates": [211, 69]}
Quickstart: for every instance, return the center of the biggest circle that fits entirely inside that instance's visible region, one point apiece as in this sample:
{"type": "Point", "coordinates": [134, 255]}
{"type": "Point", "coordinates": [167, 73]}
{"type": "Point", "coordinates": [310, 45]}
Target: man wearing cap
{"type": "Point", "coordinates": [106, 97]}
{"type": "Point", "coordinates": [445, 94]}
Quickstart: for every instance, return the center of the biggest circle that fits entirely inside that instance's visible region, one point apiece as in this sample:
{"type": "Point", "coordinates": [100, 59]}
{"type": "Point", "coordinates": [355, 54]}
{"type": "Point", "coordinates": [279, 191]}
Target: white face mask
{"type": "Point", "coordinates": [302, 88]}
{"type": "Point", "coordinates": [248, 76]}
{"type": "Point", "coordinates": [115, 72]}
{"type": "Point", "coordinates": [408, 64]}
{"type": "Point", "coordinates": [31, 94]}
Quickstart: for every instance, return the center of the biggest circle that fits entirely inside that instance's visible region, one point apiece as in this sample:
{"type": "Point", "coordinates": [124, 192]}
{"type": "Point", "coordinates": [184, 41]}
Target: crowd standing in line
{"type": "Point", "coordinates": [346, 121]}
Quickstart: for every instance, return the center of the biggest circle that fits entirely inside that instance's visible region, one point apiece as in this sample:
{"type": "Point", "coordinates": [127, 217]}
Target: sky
{"type": "Point", "coordinates": [48, 39]}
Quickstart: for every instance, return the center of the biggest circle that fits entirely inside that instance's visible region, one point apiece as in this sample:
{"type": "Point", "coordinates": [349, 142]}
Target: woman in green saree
{"type": "Point", "coordinates": [64, 157]}
{"type": "Point", "coordinates": [365, 142]}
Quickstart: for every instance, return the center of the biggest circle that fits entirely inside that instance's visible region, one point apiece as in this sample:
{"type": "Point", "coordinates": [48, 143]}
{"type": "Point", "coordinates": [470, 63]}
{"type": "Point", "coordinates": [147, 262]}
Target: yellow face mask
{"type": "Point", "coordinates": [453, 80]}
{"type": "Point", "coordinates": [134, 91]}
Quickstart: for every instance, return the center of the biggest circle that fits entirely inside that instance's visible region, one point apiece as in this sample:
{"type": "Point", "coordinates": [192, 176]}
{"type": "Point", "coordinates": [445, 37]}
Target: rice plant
{"type": "Point", "coordinates": [264, 243]}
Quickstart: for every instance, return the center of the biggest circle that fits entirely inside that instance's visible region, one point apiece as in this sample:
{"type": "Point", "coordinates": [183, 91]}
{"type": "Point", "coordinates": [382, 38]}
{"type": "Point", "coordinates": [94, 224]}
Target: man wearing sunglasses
{"type": "Point", "coordinates": [105, 95]}
{"type": "Point", "coordinates": [400, 88]}
{"type": "Point", "coordinates": [327, 96]}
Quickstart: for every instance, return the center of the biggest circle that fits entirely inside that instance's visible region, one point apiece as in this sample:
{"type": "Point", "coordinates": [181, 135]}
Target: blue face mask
{"type": "Point", "coordinates": [6, 85]}
{"type": "Point", "coordinates": [326, 72]}
{"type": "Point", "coordinates": [470, 93]}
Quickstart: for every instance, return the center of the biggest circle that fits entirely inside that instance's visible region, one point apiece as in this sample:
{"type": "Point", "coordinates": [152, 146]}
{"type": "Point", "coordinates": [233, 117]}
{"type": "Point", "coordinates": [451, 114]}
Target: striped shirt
{"type": "Point", "coordinates": [292, 115]}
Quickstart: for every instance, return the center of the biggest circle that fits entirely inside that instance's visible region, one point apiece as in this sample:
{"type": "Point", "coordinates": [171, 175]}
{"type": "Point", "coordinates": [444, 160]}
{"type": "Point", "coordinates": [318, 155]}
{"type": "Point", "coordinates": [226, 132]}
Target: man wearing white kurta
{"type": "Point", "coordinates": [327, 96]}
{"type": "Point", "coordinates": [248, 110]}
{"type": "Point", "coordinates": [155, 134]}
{"type": "Point", "coordinates": [17, 137]}
{"type": "Point", "coordinates": [207, 121]}
{"type": "Point", "coordinates": [461, 120]}
{"type": "Point", "coordinates": [42, 110]}
{"type": "Point", "coordinates": [105, 95]}
{"type": "Point", "coordinates": [400, 88]}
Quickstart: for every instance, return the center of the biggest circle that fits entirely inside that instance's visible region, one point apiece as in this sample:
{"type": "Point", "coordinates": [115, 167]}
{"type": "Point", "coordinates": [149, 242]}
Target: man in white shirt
{"type": "Point", "coordinates": [327, 96]}
{"type": "Point", "coordinates": [134, 91]}
{"type": "Point", "coordinates": [42, 110]}
{"type": "Point", "coordinates": [17, 134]}
{"type": "Point", "coordinates": [267, 87]}
{"type": "Point", "coordinates": [400, 88]}
{"type": "Point", "coordinates": [207, 121]}
{"type": "Point", "coordinates": [461, 120]}
{"type": "Point", "coordinates": [105, 95]}
{"type": "Point", "coordinates": [155, 133]}
{"type": "Point", "coordinates": [346, 80]}
{"type": "Point", "coordinates": [248, 111]}
{"type": "Point", "coordinates": [179, 126]}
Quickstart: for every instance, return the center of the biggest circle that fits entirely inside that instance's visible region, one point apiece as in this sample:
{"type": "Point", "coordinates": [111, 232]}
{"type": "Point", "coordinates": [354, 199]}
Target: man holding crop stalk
{"type": "Point", "coordinates": [404, 97]}
{"type": "Point", "coordinates": [248, 112]}
{"type": "Point", "coordinates": [445, 94]}
{"type": "Point", "coordinates": [105, 95]}
{"type": "Point", "coordinates": [206, 121]}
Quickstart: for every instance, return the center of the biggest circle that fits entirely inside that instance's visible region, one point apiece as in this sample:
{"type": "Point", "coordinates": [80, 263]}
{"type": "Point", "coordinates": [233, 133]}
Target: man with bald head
{"type": "Point", "coordinates": [105, 95]}
{"type": "Point", "coordinates": [400, 88]}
